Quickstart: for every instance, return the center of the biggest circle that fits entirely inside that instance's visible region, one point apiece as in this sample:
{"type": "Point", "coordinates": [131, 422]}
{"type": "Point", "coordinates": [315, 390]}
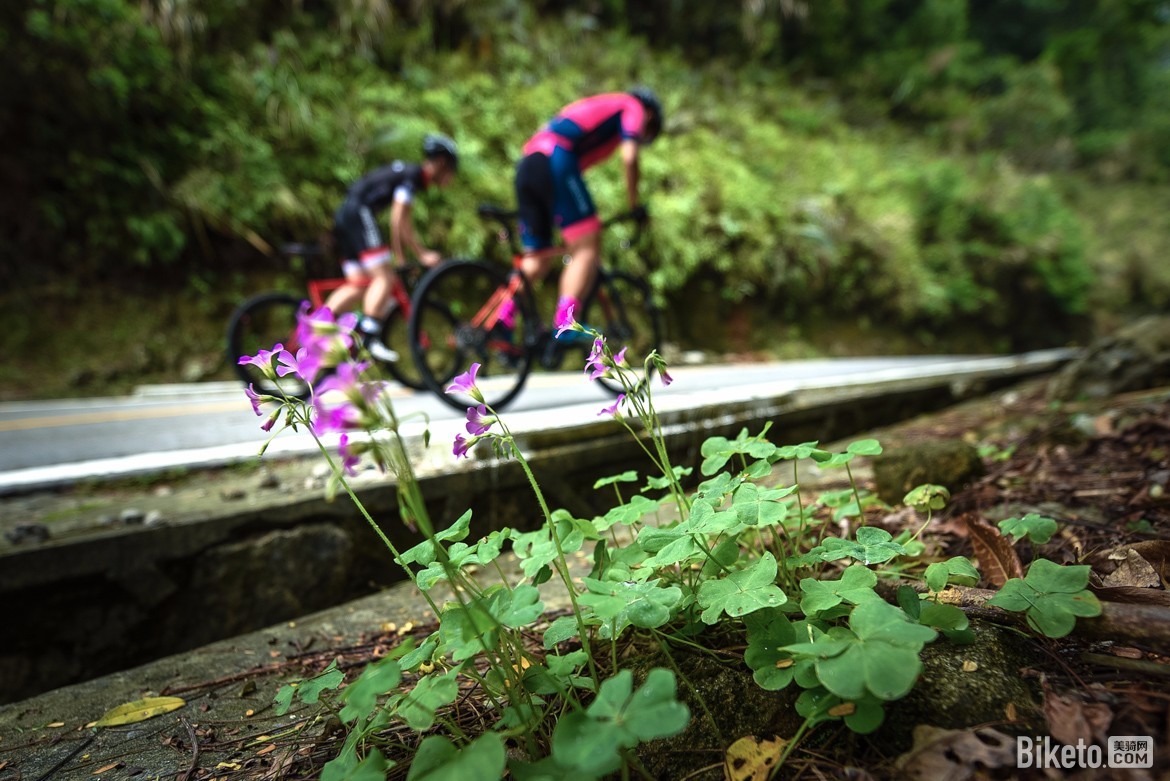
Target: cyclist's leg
{"type": "Point", "coordinates": [581, 229]}
{"type": "Point", "coordinates": [347, 234]}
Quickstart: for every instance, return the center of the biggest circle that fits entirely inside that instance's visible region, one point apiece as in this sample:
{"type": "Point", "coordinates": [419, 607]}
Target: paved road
{"type": "Point", "coordinates": [167, 426]}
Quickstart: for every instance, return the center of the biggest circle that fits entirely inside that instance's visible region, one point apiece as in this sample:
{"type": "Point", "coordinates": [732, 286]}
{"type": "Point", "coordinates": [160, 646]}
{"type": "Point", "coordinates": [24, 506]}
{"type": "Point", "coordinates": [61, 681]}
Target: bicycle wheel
{"type": "Point", "coordinates": [395, 336]}
{"type": "Point", "coordinates": [258, 324]}
{"type": "Point", "coordinates": [454, 323]}
{"type": "Point", "coordinates": [622, 308]}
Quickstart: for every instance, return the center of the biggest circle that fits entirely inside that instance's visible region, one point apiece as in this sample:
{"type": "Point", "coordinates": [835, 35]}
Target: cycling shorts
{"type": "Point", "coordinates": [359, 241]}
{"type": "Point", "coordinates": [550, 190]}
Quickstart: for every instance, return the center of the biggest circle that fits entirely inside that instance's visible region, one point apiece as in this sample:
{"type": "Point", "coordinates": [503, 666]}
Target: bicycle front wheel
{"type": "Point", "coordinates": [455, 322]}
{"type": "Point", "coordinates": [258, 324]}
{"type": "Point", "coordinates": [623, 310]}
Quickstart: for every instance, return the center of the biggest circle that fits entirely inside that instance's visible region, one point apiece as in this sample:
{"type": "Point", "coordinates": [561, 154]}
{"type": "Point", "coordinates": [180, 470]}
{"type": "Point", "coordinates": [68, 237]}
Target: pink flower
{"type": "Point", "coordinates": [566, 321]}
{"type": "Point", "coordinates": [478, 420]}
{"type": "Point", "coordinates": [613, 408]}
{"type": "Point", "coordinates": [620, 359]}
{"type": "Point", "coordinates": [596, 360]}
{"type": "Point", "coordinates": [462, 445]}
{"type": "Point", "coordinates": [666, 378]}
{"type": "Point", "coordinates": [263, 359]}
{"type": "Point", "coordinates": [305, 364]}
{"type": "Point", "coordinates": [465, 383]}
{"type": "Point", "coordinates": [349, 459]}
{"type": "Point", "coordinates": [256, 399]}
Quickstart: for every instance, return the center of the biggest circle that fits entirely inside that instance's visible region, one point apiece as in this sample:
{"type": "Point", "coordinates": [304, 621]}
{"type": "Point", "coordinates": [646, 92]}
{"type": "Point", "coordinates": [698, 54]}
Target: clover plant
{"type": "Point", "coordinates": [738, 553]}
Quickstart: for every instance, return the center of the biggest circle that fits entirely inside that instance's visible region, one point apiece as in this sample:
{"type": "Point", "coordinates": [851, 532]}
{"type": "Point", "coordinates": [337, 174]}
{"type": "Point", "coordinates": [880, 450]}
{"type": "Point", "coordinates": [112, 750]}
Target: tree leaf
{"type": "Point", "coordinates": [139, 710]}
{"type": "Point", "coordinates": [999, 559]}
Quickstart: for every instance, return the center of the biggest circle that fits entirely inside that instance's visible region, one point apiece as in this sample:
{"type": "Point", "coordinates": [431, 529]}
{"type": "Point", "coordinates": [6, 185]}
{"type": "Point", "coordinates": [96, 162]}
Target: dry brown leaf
{"type": "Point", "coordinates": [751, 760]}
{"type": "Point", "coordinates": [953, 754]}
{"type": "Point", "coordinates": [266, 750]}
{"type": "Point", "coordinates": [1126, 652]}
{"type": "Point", "coordinates": [1133, 571]}
{"type": "Point", "coordinates": [106, 768]}
{"type": "Point", "coordinates": [998, 560]}
{"type": "Point", "coordinates": [1070, 720]}
{"type": "Point", "coordinates": [970, 666]}
{"type": "Point", "coordinates": [843, 709]}
{"type": "Point", "coordinates": [1157, 553]}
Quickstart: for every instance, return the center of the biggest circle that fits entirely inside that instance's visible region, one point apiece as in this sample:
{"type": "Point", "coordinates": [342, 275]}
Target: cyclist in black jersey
{"type": "Point", "coordinates": [366, 257]}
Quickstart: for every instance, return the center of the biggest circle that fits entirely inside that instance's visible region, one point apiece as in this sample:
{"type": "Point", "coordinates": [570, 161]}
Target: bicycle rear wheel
{"type": "Point", "coordinates": [257, 324]}
{"type": "Point", "coordinates": [454, 323]}
{"type": "Point", "coordinates": [395, 335]}
{"type": "Point", "coordinates": [622, 308]}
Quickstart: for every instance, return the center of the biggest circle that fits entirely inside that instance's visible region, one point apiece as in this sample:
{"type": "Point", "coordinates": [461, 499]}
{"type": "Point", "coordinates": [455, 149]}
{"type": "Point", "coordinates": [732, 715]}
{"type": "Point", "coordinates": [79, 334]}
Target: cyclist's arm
{"type": "Point", "coordinates": [629, 152]}
{"type": "Point", "coordinates": [402, 231]}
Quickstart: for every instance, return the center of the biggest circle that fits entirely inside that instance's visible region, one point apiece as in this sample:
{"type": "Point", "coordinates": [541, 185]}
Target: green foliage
{"type": "Point", "coordinates": [308, 691]}
{"type": "Point", "coordinates": [438, 759]}
{"type": "Point", "coordinates": [1050, 596]}
{"type": "Point", "coordinates": [957, 569]}
{"type": "Point", "coordinates": [591, 741]}
{"type": "Point", "coordinates": [877, 654]}
{"type": "Point", "coordinates": [1036, 528]}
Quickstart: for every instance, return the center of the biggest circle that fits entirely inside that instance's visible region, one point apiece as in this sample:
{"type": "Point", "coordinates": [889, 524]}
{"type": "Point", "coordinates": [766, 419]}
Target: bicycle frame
{"type": "Point", "coordinates": [488, 315]}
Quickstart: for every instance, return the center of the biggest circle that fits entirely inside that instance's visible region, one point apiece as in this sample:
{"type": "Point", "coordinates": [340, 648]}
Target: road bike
{"type": "Point", "coordinates": [456, 319]}
{"type": "Point", "coordinates": [270, 318]}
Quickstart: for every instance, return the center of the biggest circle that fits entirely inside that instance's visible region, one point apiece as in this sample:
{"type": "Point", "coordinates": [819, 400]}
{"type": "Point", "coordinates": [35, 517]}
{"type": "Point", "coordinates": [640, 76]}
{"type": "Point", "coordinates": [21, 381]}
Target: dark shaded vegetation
{"type": "Point", "coordinates": [947, 170]}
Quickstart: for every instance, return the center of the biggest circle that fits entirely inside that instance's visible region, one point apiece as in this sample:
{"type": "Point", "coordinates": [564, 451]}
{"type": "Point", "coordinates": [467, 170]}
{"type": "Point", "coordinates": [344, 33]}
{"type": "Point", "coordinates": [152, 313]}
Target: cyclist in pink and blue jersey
{"type": "Point", "coordinates": [550, 189]}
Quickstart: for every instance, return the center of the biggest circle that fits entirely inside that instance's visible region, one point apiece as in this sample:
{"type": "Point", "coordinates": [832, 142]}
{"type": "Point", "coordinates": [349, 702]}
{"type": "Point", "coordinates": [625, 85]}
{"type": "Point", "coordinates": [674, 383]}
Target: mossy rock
{"type": "Point", "coordinates": [902, 467]}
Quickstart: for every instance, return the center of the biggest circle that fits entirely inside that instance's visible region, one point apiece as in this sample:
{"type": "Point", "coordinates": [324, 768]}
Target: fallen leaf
{"type": "Point", "coordinates": [970, 666]}
{"type": "Point", "coordinates": [844, 709]}
{"type": "Point", "coordinates": [749, 760]}
{"type": "Point", "coordinates": [998, 559]}
{"type": "Point", "coordinates": [266, 750]}
{"type": "Point", "coordinates": [1126, 652]}
{"type": "Point", "coordinates": [1071, 720]}
{"type": "Point", "coordinates": [1133, 571]}
{"type": "Point", "coordinates": [228, 766]}
{"type": "Point", "coordinates": [249, 712]}
{"type": "Point", "coordinates": [1010, 712]}
{"type": "Point", "coordinates": [107, 768]}
{"type": "Point", "coordinates": [139, 710]}
{"type": "Point", "coordinates": [56, 724]}
{"type": "Point", "coordinates": [952, 754]}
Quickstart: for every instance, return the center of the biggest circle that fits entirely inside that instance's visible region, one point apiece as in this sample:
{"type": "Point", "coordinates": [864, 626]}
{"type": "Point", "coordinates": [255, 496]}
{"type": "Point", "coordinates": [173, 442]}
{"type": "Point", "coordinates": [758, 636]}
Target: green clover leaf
{"type": "Point", "coordinates": [717, 451]}
{"type": "Point", "coordinates": [927, 497]}
{"type": "Point", "coordinates": [621, 604]}
{"type": "Point", "coordinates": [1050, 596]}
{"type": "Point", "coordinates": [629, 476]}
{"type": "Point", "coordinates": [308, 691]}
{"type": "Point", "coordinates": [627, 514]}
{"type": "Point", "coordinates": [517, 607]}
{"type": "Point", "coordinates": [855, 586]}
{"type": "Point", "coordinates": [424, 553]}
{"type": "Point", "coordinates": [741, 592]}
{"type": "Point", "coordinates": [663, 482]}
{"type": "Point", "coordinates": [418, 706]}
{"type": "Point", "coordinates": [957, 569]}
{"type": "Point", "coordinates": [760, 507]}
{"type": "Point", "coordinates": [619, 718]}
{"type": "Point", "coordinates": [1036, 528]}
{"type": "Point", "coordinates": [768, 632]}
{"type": "Point", "coordinates": [362, 695]}
{"type": "Point", "coordinates": [437, 759]}
{"type": "Point", "coordinates": [878, 655]}
{"type": "Point", "coordinates": [873, 546]}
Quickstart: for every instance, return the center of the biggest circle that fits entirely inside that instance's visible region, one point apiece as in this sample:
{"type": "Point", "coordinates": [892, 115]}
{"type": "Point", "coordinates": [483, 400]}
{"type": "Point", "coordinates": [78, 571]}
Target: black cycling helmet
{"type": "Point", "coordinates": [650, 102]}
{"type": "Point", "coordinates": [439, 145]}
